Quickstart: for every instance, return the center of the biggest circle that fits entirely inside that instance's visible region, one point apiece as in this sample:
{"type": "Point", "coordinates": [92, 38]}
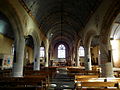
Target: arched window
{"type": "Point", "coordinates": [61, 51]}
{"type": "Point", "coordinates": [81, 51]}
{"type": "Point", "coordinates": [42, 52]}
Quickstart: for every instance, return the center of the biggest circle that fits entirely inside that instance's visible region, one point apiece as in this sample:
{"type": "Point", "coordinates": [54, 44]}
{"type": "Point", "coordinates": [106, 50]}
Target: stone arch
{"type": "Point", "coordinates": [42, 44]}
{"type": "Point", "coordinates": [105, 49]}
{"type": "Point", "coordinates": [87, 42]}
{"type": "Point", "coordinates": [16, 23]}
{"type": "Point", "coordinates": [114, 41]}
{"type": "Point", "coordinates": [29, 50]}
{"type": "Point", "coordinates": [109, 18]}
{"type": "Point", "coordinates": [89, 36]}
{"type": "Point", "coordinates": [19, 40]}
{"type": "Point", "coordinates": [36, 39]}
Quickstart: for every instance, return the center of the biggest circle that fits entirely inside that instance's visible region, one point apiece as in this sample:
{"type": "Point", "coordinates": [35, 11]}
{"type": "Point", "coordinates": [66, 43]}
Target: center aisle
{"type": "Point", "coordinates": [62, 81]}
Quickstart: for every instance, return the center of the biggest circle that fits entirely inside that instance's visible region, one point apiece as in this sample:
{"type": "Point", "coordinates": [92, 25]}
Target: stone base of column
{"type": "Point", "coordinates": [36, 65]}
{"type": "Point", "coordinates": [78, 65]}
{"type": "Point", "coordinates": [89, 66]}
{"type": "Point", "coordinates": [37, 69]}
{"type": "Point", "coordinates": [17, 74]}
{"type": "Point", "coordinates": [46, 64]}
{"type": "Point", "coordinates": [109, 70]}
{"type": "Point", "coordinates": [17, 71]}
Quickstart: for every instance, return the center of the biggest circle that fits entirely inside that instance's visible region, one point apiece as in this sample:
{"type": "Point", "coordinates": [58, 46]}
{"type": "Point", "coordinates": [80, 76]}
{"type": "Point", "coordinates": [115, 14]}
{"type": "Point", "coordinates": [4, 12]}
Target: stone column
{"type": "Point", "coordinates": [37, 58]}
{"type": "Point", "coordinates": [105, 57]}
{"type": "Point", "coordinates": [72, 59]}
{"type": "Point", "coordinates": [77, 57]}
{"type": "Point", "coordinates": [18, 58]}
{"type": "Point", "coordinates": [87, 58]}
{"type": "Point", "coordinates": [46, 60]}
{"type": "Point", "coordinates": [71, 54]}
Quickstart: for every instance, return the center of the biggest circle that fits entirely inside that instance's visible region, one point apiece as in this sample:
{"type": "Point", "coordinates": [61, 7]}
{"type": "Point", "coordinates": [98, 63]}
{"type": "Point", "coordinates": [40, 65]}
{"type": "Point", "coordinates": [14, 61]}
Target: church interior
{"type": "Point", "coordinates": [59, 44]}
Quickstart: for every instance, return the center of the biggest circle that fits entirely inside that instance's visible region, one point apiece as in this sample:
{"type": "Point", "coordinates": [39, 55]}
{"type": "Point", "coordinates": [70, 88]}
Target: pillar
{"type": "Point", "coordinates": [46, 60]}
{"type": "Point", "coordinates": [72, 57]}
{"type": "Point", "coordinates": [87, 58]}
{"type": "Point", "coordinates": [105, 57]}
{"type": "Point", "coordinates": [37, 58]}
{"type": "Point", "coordinates": [18, 58]}
{"type": "Point", "coordinates": [77, 57]}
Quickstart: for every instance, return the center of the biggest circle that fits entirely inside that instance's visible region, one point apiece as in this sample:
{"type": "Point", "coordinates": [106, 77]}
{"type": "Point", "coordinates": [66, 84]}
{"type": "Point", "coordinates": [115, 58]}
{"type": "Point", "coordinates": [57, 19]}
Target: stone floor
{"type": "Point", "coordinates": [61, 81]}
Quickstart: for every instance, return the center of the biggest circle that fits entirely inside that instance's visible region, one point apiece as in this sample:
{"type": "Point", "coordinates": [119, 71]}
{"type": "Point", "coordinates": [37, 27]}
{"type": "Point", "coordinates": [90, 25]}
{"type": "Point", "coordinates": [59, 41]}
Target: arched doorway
{"type": "Point", "coordinates": [12, 38]}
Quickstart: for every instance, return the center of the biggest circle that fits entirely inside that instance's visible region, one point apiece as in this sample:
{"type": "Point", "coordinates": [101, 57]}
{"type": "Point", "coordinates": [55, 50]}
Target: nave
{"type": "Point", "coordinates": [59, 44]}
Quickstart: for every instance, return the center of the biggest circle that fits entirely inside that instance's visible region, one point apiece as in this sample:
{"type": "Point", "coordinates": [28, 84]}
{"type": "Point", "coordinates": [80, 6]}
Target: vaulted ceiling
{"type": "Point", "coordinates": [62, 20]}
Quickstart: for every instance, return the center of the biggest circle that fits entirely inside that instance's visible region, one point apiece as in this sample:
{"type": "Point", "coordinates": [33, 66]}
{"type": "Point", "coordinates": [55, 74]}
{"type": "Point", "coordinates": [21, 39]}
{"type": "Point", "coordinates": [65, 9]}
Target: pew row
{"type": "Point", "coordinates": [98, 85]}
{"type": "Point", "coordinates": [86, 76]}
{"type": "Point", "coordinates": [21, 88]}
{"type": "Point", "coordinates": [72, 73]}
{"type": "Point", "coordinates": [81, 82]}
{"type": "Point", "coordinates": [27, 81]}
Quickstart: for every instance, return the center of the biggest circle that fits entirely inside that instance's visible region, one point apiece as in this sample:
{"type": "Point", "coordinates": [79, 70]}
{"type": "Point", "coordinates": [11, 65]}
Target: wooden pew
{"type": "Point", "coordinates": [97, 85]}
{"type": "Point", "coordinates": [21, 88]}
{"type": "Point", "coordinates": [5, 72]}
{"type": "Point", "coordinates": [74, 67]}
{"type": "Point", "coordinates": [33, 72]}
{"type": "Point", "coordinates": [22, 81]}
{"type": "Point", "coordinates": [117, 74]}
{"type": "Point", "coordinates": [75, 70]}
{"type": "Point", "coordinates": [82, 71]}
{"type": "Point", "coordinates": [28, 67]}
{"type": "Point", "coordinates": [78, 81]}
{"type": "Point", "coordinates": [51, 68]}
{"type": "Point", "coordinates": [45, 82]}
{"type": "Point", "coordinates": [97, 80]}
{"type": "Point", "coordinates": [86, 76]}
{"type": "Point", "coordinates": [72, 73]}
{"type": "Point", "coordinates": [49, 73]}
